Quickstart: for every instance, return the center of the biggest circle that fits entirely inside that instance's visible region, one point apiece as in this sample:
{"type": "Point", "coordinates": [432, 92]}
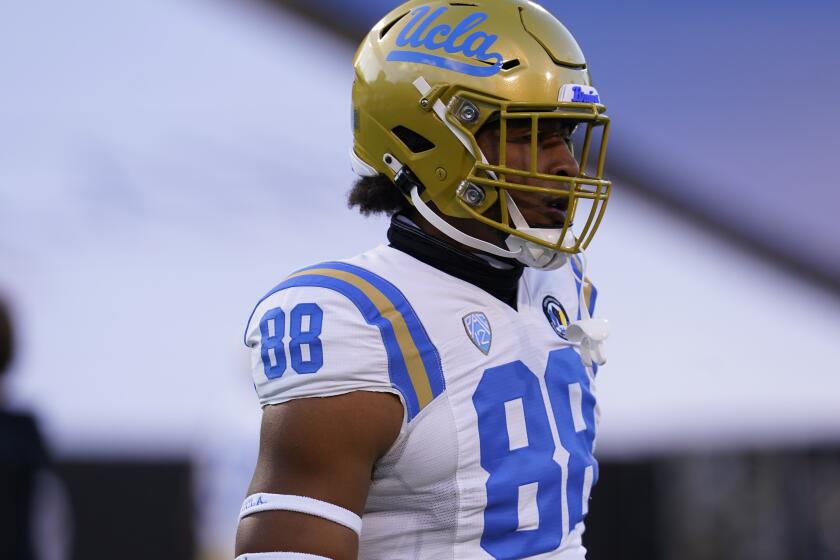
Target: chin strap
{"type": "Point", "coordinates": [532, 254]}
{"type": "Point", "coordinates": [456, 234]}
{"type": "Point", "coordinates": [442, 225]}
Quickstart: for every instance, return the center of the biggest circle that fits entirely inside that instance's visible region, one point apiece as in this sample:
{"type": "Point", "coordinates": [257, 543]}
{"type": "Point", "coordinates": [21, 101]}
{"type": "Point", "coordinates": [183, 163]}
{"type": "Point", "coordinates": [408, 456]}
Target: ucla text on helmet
{"type": "Point", "coordinates": [452, 40]}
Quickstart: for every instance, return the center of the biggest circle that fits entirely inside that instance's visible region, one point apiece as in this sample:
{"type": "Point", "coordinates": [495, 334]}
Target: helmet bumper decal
{"type": "Point", "coordinates": [579, 93]}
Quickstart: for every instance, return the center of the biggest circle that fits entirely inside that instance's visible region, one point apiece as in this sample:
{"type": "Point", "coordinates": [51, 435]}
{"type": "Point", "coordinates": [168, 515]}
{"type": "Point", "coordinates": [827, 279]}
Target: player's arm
{"type": "Point", "coordinates": [322, 370]}
{"type": "Point", "coordinates": [322, 448]}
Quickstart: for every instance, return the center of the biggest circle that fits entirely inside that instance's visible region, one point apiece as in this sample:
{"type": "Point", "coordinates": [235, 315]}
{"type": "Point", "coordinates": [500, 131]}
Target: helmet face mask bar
{"type": "Point", "coordinates": [492, 177]}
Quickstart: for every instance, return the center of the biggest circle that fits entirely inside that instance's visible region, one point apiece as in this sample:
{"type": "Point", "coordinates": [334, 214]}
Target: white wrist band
{"type": "Point", "coordinates": [280, 556]}
{"type": "Point", "coordinates": [302, 504]}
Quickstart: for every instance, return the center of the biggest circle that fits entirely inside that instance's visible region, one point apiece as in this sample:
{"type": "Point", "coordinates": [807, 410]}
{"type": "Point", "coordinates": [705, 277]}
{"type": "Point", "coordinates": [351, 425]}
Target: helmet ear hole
{"type": "Point", "coordinates": [412, 140]}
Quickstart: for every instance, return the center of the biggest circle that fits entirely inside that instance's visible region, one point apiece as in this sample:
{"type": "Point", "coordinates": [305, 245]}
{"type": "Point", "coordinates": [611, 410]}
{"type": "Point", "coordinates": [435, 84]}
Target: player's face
{"type": "Point", "coordinates": [554, 157]}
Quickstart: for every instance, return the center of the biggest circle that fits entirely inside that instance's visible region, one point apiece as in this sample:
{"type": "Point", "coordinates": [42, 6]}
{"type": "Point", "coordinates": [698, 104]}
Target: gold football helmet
{"type": "Point", "coordinates": [431, 73]}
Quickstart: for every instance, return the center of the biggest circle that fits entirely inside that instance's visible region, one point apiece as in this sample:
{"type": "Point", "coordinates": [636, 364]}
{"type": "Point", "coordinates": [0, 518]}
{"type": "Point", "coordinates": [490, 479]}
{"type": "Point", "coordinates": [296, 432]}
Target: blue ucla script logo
{"type": "Point", "coordinates": [419, 32]}
{"type": "Point", "coordinates": [478, 329]}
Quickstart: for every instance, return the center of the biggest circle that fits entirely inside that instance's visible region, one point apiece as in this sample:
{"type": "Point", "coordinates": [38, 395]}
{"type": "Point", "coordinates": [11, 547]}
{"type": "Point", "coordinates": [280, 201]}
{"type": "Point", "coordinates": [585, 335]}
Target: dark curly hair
{"type": "Point", "coordinates": [7, 342]}
{"type": "Point", "coordinates": [377, 195]}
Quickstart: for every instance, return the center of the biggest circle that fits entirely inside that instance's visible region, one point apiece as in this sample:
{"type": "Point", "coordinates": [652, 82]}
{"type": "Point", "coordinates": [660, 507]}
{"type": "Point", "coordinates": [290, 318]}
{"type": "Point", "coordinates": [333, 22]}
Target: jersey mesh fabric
{"type": "Point", "coordinates": [428, 494]}
{"type": "Point", "coordinates": [412, 507]}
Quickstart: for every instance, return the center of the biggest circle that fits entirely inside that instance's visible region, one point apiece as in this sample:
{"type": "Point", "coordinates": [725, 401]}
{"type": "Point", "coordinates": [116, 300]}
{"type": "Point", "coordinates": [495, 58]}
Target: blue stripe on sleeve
{"type": "Point", "coordinates": [428, 352]}
{"type": "Point", "coordinates": [397, 370]}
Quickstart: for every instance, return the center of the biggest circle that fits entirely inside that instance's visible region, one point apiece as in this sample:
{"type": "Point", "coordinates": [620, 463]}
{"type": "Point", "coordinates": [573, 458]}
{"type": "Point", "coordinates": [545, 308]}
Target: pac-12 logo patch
{"type": "Point", "coordinates": [556, 315]}
{"type": "Point", "coordinates": [478, 329]}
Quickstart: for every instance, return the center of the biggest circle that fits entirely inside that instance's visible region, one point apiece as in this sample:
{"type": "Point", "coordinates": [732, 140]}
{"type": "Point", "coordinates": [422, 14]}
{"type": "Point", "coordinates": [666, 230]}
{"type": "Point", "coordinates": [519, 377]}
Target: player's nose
{"type": "Point", "coordinates": [559, 160]}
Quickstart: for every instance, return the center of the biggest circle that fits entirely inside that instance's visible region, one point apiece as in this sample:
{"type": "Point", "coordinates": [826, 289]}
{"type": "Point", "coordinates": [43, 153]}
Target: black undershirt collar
{"type": "Point", "coordinates": [501, 283]}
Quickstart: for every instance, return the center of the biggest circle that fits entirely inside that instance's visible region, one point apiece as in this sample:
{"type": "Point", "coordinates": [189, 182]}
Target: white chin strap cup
{"type": "Point", "coordinates": [532, 254]}
{"type": "Point", "coordinates": [590, 334]}
{"type": "Point", "coordinates": [537, 256]}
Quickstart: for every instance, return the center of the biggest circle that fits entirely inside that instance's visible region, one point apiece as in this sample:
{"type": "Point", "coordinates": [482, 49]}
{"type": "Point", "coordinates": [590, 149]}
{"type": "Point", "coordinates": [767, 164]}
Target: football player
{"type": "Point", "coordinates": [433, 398]}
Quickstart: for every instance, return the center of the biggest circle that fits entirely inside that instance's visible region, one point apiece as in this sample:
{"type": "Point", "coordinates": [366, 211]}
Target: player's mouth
{"type": "Point", "coordinates": [554, 211]}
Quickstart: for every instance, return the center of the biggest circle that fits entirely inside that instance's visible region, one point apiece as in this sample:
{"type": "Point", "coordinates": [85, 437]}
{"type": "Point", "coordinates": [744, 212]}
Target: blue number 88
{"type": "Point", "coordinates": [573, 407]}
{"type": "Point", "coordinates": [272, 333]}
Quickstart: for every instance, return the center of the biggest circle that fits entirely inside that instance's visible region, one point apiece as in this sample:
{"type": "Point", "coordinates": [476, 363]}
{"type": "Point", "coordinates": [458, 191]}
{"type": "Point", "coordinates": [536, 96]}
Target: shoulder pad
{"type": "Point", "coordinates": [343, 328]}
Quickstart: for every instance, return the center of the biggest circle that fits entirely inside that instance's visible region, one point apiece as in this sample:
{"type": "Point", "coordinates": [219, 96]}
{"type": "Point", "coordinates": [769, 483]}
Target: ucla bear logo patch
{"type": "Point", "coordinates": [478, 329]}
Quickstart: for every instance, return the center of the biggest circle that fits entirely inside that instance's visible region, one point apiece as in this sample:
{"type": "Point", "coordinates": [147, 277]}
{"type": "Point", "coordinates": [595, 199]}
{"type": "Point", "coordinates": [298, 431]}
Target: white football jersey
{"type": "Point", "coordinates": [494, 459]}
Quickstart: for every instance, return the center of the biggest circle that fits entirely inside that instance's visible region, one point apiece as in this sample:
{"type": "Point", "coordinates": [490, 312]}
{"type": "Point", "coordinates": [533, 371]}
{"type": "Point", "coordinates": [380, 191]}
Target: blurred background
{"type": "Point", "coordinates": [164, 163]}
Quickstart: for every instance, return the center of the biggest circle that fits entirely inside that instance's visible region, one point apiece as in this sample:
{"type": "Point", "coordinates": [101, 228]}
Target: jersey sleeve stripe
{"type": "Point", "coordinates": [397, 363]}
{"type": "Point", "coordinates": [408, 346]}
{"type": "Point", "coordinates": [428, 352]}
{"type": "Point", "coordinates": [406, 369]}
